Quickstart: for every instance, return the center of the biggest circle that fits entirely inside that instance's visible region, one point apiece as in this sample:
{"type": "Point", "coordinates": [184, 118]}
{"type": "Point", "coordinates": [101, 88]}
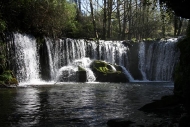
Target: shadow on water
{"type": "Point", "coordinates": [78, 104]}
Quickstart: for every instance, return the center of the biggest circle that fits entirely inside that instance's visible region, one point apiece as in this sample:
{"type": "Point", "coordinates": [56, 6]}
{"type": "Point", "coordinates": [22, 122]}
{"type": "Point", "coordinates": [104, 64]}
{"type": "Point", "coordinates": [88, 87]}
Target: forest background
{"type": "Point", "coordinates": [102, 19]}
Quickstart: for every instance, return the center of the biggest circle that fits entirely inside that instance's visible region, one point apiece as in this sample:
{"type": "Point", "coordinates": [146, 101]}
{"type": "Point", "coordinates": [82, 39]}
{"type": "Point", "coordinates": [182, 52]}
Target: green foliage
{"type": "Point", "coordinates": [7, 77]}
{"type": "Point", "coordinates": [56, 18]}
{"type": "Point", "coordinates": [2, 83]}
{"type": "Point", "coordinates": [149, 39]}
{"type": "Point", "coordinates": [40, 17]}
{"type": "Point", "coordinates": [2, 58]}
{"type": "Point", "coordinates": [2, 25]}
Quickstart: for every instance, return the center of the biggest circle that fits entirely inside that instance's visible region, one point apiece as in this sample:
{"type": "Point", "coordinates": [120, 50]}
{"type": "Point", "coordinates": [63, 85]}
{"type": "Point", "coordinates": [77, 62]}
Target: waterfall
{"type": "Point", "coordinates": [150, 61]}
{"type": "Point", "coordinates": [26, 58]}
{"type": "Point", "coordinates": [68, 73]}
{"type": "Point", "coordinates": [142, 60]}
{"type": "Point", "coordinates": [113, 52]}
{"type": "Point", "coordinates": [161, 59]}
{"type": "Point", "coordinates": [51, 64]}
{"type": "Point", "coordinates": [127, 74]}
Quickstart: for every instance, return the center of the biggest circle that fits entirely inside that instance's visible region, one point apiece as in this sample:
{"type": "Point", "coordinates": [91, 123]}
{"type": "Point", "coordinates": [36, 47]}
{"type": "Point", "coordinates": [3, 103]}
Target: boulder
{"type": "Point", "coordinates": [67, 76]}
{"type": "Point", "coordinates": [105, 72]}
{"type": "Point", "coordinates": [170, 103]}
{"type": "Point", "coordinates": [119, 122]}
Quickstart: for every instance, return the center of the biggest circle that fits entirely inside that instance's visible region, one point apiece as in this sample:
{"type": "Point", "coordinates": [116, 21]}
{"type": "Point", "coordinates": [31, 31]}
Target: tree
{"type": "Point", "coordinates": [93, 20]}
{"type": "Point", "coordinates": [40, 17]}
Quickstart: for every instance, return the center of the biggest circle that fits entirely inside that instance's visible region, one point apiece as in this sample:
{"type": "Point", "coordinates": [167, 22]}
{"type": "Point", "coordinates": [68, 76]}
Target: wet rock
{"type": "Point", "coordinates": [134, 62]}
{"type": "Point", "coordinates": [81, 76]}
{"type": "Point", "coordinates": [119, 122]}
{"type": "Point", "coordinates": [165, 104]}
{"type": "Point", "coordinates": [67, 76]}
{"type": "Point", "coordinates": [106, 72]}
{"type": "Point", "coordinates": [170, 109]}
{"type": "Point", "coordinates": [127, 44]}
{"type": "Point", "coordinates": [184, 121]}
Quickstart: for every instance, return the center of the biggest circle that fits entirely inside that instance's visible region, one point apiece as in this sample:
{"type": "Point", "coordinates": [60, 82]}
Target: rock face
{"type": "Point", "coordinates": [134, 62]}
{"type": "Point", "coordinates": [105, 72]}
{"type": "Point", "coordinates": [182, 73]}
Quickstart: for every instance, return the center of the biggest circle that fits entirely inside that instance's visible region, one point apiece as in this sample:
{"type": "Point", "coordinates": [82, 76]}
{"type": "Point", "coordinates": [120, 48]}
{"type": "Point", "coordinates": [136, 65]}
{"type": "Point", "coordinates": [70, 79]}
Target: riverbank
{"type": "Point", "coordinates": [8, 86]}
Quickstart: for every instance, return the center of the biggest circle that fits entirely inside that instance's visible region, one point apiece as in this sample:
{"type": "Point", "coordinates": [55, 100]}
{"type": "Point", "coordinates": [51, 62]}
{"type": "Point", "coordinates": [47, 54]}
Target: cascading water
{"type": "Point", "coordinates": [128, 75]}
{"type": "Point", "coordinates": [26, 58]}
{"type": "Point", "coordinates": [68, 73]}
{"type": "Point", "coordinates": [155, 60]}
{"type": "Point", "coordinates": [142, 61]}
{"type": "Point", "coordinates": [114, 52]}
{"type": "Point", "coordinates": [161, 59]}
{"type": "Point", "coordinates": [64, 52]}
{"type": "Point", "coordinates": [51, 64]}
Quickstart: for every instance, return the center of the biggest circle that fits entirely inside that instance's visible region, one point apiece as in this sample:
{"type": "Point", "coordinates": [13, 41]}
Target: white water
{"type": "Point", "coordinates": [156, 60]}
{"type": "Point", "coordinates": [51, 64]}
{"type": "Point", "coordinates": [68, 73]}
{"type": "Point", "coordinates": [127, 74]}
{"type": "Point", "coordinates": [26, 58]}
{"type": "Point", "coordinates": [161, 59]}
{"type": "Point", "coordinates": [142, 60]}
{"type": "Point", "coordinates": [113, 52]}
{"type": "Point", "coordinates": [66, 52]}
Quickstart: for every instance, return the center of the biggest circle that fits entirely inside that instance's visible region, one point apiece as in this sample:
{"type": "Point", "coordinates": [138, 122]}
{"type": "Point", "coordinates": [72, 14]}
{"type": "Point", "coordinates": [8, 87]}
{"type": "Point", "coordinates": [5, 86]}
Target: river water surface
{"type": "Point", "coordinates": [78, 104]}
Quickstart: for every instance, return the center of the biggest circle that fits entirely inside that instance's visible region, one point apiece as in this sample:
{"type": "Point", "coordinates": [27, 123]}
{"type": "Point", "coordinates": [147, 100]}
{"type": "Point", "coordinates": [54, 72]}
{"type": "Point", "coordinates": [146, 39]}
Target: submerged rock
{"type": "Point", "coordinates": [164, 104]}
{"type": "Point", "coordinates": [119, 122]}
{"type": "Point", "coordinates": [170, 109]}
{"type": "Point", "coordinates": [106, 72]}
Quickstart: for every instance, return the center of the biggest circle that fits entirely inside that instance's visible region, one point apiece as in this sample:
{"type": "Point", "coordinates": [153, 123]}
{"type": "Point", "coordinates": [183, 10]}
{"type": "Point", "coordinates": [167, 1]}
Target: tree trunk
{"type": "Point", "coordinates": [130, 19]}
{"type": "Point", "coordinates": [124, 20]}
{"type": "Point", "coordinates": [104, 21]}
{"type": "Point", "coordinates": [109, 17]}
{"type": "Point", "coordinates": [118, 18]}
{"type": "Point", "coordinates": [93, 20]}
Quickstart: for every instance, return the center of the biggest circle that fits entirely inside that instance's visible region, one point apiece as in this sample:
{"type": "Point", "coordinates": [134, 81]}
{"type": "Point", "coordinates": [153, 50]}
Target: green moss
{"type": "Point", "coordinates": [103, 67]}
{"type": "Point", "coordinates": [81, 68]}
{"type": "Point", "coordinates": [13, 81]}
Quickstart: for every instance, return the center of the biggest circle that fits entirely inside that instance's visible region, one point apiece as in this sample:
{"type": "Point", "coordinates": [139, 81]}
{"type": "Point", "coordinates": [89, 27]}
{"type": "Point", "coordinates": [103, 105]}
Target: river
{"type": "Point", "coordinates": [79, 104]}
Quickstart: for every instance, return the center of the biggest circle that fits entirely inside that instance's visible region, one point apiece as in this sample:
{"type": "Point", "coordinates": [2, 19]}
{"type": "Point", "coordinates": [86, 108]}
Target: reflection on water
{"type": "Point", "coordinates": [78, 105]}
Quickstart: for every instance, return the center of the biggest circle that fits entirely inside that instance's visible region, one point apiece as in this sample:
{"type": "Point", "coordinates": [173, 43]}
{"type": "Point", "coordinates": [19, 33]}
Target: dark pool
{"type": "Point", "coordinates": [78, 104]}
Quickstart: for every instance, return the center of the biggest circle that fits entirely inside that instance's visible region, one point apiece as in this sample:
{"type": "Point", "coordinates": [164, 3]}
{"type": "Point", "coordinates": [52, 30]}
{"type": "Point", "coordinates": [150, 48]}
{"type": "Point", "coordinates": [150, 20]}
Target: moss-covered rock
{"type": "Point", "coordinates": [106, 72]}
